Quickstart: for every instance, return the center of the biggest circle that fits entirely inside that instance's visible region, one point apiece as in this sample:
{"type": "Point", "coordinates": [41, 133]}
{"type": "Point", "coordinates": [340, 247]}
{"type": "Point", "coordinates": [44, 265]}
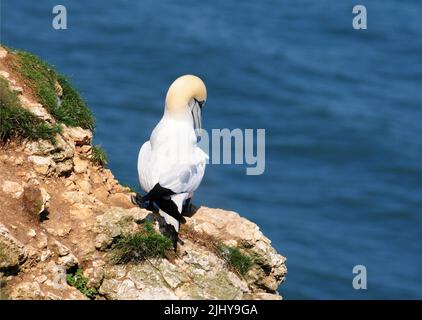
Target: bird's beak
{"type": "Point", "coordinates": [196, 115]}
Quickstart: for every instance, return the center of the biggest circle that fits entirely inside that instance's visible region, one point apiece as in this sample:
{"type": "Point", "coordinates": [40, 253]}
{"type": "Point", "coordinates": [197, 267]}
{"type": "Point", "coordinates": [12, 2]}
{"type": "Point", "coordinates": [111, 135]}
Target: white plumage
{"type": "Point", "coordinates": [172, 158]}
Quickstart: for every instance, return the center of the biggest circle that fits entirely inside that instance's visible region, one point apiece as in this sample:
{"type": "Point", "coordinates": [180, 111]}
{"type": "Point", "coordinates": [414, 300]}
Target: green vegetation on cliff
{"type": "Point", "coordinates": [80, 282]}
{"type": "Point", "coordinates": [70, 109]}
{"type": "Point", "coordinates": [139, 246]}
{"type": "Point", "coordinates": [16, 122]}
{"type": "Point", "coordinates": [99, 156]}
{"type": "Point", "coordinates": [240, 262]}
{"type": "Point", "coordinates": [51, 89]}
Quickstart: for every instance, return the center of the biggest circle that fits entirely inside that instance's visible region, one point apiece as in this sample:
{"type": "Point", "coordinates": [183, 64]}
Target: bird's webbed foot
{"type": "Point", "coordinates": [142, 202]}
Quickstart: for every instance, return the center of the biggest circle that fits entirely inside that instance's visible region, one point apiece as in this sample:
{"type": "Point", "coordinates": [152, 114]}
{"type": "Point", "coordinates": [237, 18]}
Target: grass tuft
{"type": "Point", "coordinates": [79, 281]}
{"type": "Point", "coordinates": [236, 259]}
{"type": "Point", "coordinates": [141, 245]}
{"type": "Point", "coordinates": [70, 109]}
{"type": "Point", "coordinates": [16, 122]}
{"type": "Point", "coordinates": [99, 156]}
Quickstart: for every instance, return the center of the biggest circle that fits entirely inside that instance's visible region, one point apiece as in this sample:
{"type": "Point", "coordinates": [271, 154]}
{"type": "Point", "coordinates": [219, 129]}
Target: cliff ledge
{"type": "Point", "coordinates": [68, 229]}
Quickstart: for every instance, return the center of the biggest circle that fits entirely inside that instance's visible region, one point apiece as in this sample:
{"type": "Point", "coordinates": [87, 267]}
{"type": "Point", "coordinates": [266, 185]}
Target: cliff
{"type": "Point", "coordinates": [68, 229]}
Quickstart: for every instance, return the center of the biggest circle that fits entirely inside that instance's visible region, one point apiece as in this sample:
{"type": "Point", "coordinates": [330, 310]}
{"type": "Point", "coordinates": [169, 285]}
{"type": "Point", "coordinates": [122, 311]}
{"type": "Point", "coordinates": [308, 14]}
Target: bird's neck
{"type": "Point", "coordinates": [181, 118]}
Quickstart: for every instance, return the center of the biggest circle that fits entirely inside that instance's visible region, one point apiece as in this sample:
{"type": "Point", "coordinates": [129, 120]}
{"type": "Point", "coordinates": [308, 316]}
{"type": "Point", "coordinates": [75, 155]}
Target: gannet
{"type": "Point", "coordinates": [171, 165]}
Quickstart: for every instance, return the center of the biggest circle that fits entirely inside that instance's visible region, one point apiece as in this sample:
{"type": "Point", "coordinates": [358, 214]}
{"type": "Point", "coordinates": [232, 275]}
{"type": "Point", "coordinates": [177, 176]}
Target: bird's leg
{"type": "Point", "coordinates": [174, 236]}
{"type": "Point", "coordinates": [151, 206]}
{"type": "Point", "coordinates": [186, 208]}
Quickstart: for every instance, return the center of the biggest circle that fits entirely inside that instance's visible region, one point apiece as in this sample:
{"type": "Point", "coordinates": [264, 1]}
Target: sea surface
{"type": "Point", "coordinates": [342, 110]}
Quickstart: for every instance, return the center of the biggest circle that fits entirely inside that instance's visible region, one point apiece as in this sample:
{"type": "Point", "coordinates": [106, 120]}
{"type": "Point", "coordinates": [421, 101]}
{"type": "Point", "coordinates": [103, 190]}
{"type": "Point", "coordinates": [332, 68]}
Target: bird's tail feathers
{"type": "Point", "coordinates": [170, 220]}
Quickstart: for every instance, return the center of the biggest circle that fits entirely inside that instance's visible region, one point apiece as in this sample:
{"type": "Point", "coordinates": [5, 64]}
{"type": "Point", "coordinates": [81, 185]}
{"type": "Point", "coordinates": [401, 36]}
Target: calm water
{"type": "Point", "coordinates": [342, 111]}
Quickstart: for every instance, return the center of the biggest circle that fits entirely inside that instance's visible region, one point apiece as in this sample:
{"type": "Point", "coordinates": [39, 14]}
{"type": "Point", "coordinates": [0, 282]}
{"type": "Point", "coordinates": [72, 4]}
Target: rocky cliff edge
{"type": "Point", "coordinates": [64, 219]}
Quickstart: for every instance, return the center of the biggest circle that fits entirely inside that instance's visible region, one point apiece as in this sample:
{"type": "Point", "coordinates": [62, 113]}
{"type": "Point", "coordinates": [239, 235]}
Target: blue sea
{"type": "Point", "coordinates": [342, 110]}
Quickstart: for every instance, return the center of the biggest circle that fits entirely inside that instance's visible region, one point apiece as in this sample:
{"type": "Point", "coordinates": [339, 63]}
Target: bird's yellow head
{"type": "Point", "coordinates": [187, 94]}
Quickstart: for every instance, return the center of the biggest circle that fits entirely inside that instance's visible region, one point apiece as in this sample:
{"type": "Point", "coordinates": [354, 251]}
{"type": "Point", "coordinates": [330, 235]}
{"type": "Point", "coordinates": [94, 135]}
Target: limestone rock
{"type": "Point", "coordinates": [31, 233]}
{"type": "Point", "coordinates": [117, 221]}
{"type": "Point", "coordinates": [60, 249]}
{"type": "Point", "coordinates": [36, 108]}
{"type": "Point", "coordinates": [86, 149]}
{"type": "Point", "coordinates": [118, 188]}
{"type": "Point", "coordinates": [96, 177]}
{"type": "Point", "coordinates": [270, 269]}
{"type": "Point", "coordinates": [68, 261]}
{"type": "Point", "coordinates": [27, 291]}
{"type": "Point", "coordinates": [63, 150]}
{"type": "Point", "coordinates": [12, 251]}
{"type": "Point", "coordinates": [121, 200]}
{"type": "Point", "coordinates": [84, 186]}
{"type": "Point", "coordinates": [81, 166]}
{"type": "Point", "coordinates": [3, 53]}
{"type": "Point", "coordinates": [140, 284]}
{"type": "Point", "coordinates": [45, 255]}
{"type": "Point", "coordinates": [64, 168]}
{"type": "Point", "coordinates": [39, 148]}
{"type": "Point", "coordinates": [35, 199]}
{"type": "Point", "coordinates": [81, 212]}
{"type": "Point", "coordinates": [95, 274]}
{"type": "Point", "coordinates": [73, 197]}
{"type": "Point", "coordinates": [61, 231]}
{"type": "Point", "coordinates": [4, 74]}
{"type": "Point", "coordinates": [42, 241]}
{"type": "Point", "coordinates": [42, 165]}
{"type": "Point", "coordinates": [100, 193]}
{"type": "Point", "coordinates": [12, 188]}
{"type": "Point", "coordinates": [78, 135]}
{"type": "Point", "coordinates": [56, 275]}
{"type": "Point", "coordinates": [197, 273]}
{"type": "Point", "coordinates": [262, 296]}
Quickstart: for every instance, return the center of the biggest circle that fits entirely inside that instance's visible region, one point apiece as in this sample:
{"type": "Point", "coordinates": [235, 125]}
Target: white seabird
{"type": "Point", "coordinates": [171, 165]}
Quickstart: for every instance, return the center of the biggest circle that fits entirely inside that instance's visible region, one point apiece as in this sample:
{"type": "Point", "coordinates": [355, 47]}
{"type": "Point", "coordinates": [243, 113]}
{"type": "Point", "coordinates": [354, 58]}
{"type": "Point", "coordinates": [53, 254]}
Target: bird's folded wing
{"type": "Point", "coordinates": [181, 178]}
{"type": "Point", "coordinates": [147, 176]}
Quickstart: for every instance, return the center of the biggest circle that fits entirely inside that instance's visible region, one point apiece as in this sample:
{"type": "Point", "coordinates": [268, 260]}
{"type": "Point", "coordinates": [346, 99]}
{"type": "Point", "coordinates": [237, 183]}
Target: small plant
{"type": "Point", "coordinates": [80, 282]}
{"type": "Point", "coordinates": [16, 122]}
{"type": "Point", "coordinates": [141, 245]}
{"type": "Point", "coordinates": [240, 262]}
{"type": "Point", "coordinates": [99, 156]}
{"type": "Point", "coordinates": [234, 257]}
